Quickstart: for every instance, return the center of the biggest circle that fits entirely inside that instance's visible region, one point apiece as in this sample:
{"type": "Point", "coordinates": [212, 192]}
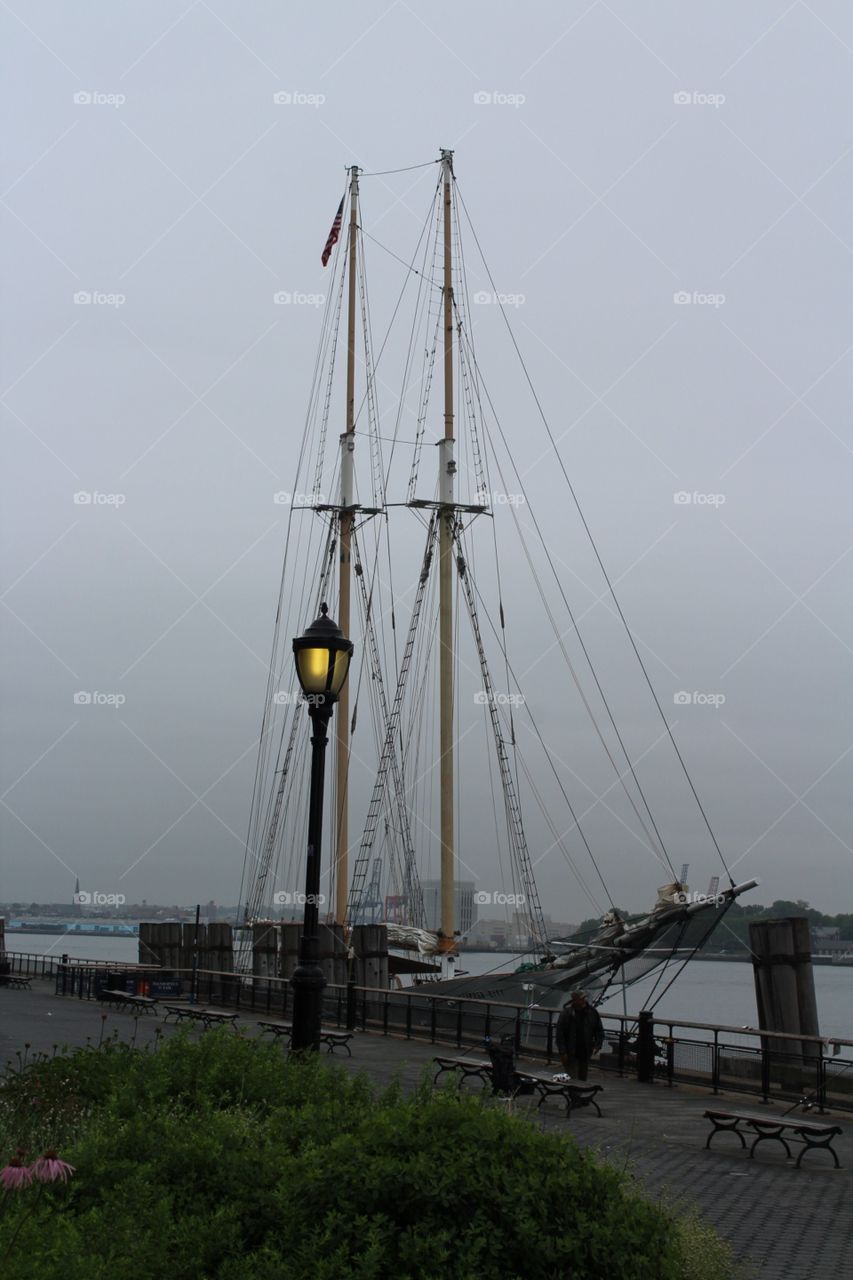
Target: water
{"type": "Point", "coordinates": [712, 991]}
{"type": "Point", "coordinates": [715, 991]}
{"type": "Point", "coordinates": [58, 945]}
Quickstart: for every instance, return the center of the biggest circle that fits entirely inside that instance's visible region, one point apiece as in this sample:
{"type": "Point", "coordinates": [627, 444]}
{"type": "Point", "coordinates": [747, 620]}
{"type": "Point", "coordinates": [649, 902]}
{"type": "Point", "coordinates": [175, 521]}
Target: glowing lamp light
{"type": "Point", "coordinates": [322, 655]}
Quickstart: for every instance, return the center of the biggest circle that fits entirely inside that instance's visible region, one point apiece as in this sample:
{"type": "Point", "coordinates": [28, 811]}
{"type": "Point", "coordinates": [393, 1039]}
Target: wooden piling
{"type": "Point", "coordinates": [784, 987]}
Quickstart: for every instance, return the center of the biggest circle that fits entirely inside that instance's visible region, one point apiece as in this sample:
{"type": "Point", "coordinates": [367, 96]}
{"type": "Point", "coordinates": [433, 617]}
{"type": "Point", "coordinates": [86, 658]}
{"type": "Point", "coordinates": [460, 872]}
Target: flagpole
{"type": "Point", "coordinates": [346, 510]}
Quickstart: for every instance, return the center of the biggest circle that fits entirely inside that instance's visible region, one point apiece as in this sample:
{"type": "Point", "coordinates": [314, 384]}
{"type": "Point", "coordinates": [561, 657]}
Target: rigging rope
{"type": "Point", "coordinates": [594, 546]}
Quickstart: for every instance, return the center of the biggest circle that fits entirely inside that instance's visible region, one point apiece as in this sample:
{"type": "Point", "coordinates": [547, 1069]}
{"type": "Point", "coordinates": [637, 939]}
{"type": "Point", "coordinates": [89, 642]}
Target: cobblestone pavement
{"type": "Point", "coordinates": [786, 1223]}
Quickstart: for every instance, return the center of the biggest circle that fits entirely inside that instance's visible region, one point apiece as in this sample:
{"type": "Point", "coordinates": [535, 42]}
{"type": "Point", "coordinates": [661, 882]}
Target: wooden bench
{"type": "Point", "coordinates": [111, 997]}
{"type": "Point", "coordinates": [216, 1018]}
{"type": "Point", "coordinates": [124, 1000]}
{"type": "Point", "coordinates": [277, 1029]}
{"type": "Point", "coordinates": [574, 1093]}
{"type": "Point", "coordinates": [332, 1039]}
{"type": "Point", "coordinates": [209, 1017]}
{"type": "Point", "coordinates": [18, 980]}
{"type": "Point", "coordinates": [782, 1129]}
{"type": "Point", "coordinates": [179, 1012]}
{"type": "Point", "coordinates": [467, 1066]}
{"type": "Point", "coordinates": [146, 1003]}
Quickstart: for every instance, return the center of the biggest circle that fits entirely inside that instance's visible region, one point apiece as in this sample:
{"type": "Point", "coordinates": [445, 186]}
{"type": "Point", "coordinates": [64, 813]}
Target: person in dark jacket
{"type": "Point", "coordinates": [579, 1035]}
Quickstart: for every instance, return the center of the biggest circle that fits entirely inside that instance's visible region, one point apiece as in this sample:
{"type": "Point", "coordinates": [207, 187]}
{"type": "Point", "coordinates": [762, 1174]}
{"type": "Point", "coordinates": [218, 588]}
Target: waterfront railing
{"type": "Point", "coordinates": [772, 1065]}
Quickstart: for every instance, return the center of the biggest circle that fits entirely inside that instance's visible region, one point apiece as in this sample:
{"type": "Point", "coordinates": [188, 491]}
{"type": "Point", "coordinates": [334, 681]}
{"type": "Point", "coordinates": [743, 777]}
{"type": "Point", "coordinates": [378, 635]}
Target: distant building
{"type": "Point", "coordinates": [827, 941]}
{"type": "Point", "coordinates": [488, 934]}
{"type": "Point", "coordinates": [464, 906]}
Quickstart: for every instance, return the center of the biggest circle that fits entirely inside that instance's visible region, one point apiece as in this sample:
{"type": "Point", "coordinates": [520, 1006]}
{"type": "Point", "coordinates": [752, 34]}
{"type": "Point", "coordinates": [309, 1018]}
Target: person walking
{"type": "Point", "coordinates": [580, 1035]}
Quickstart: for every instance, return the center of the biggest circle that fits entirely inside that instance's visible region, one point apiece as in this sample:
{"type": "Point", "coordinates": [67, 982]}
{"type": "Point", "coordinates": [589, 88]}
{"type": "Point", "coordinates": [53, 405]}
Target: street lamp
{"type": "Point", "coordinates": [322, 656]}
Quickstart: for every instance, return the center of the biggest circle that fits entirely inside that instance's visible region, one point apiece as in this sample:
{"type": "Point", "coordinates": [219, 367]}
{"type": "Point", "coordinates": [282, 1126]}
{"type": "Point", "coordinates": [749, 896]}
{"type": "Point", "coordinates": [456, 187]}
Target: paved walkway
{"type": "Point", "coordinates": [789, 1224]}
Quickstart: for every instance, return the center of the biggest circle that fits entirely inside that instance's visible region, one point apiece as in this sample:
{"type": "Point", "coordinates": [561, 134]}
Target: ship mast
{"type": "Point", "coordinates": [447, 522]}
{"type": "Point", "coordinates": [346, 516]}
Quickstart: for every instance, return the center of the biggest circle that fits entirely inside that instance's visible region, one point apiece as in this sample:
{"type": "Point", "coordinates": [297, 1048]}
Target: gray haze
{"type": "Point", "coordinates": [599, 197]}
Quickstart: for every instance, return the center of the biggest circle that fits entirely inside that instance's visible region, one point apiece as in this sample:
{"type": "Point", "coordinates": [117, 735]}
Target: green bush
{"type": "Point", "coordinates": [217, 1159]}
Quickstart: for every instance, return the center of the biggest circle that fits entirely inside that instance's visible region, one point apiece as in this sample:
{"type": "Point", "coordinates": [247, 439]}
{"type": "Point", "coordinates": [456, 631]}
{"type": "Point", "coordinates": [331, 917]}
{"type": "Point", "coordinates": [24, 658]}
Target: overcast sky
{"type": "Point", "coordinates": [666, 187]}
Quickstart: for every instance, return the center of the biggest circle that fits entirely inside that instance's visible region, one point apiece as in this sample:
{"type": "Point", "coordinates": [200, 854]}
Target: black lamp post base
{"type": "Point", "coordinates": [307, 983]}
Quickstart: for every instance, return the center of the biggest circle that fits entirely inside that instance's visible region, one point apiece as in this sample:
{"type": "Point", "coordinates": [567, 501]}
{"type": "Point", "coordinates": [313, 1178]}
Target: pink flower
{"type": "Point", "coordinates": [49, 1168]}
{"type": "Point", "coordinates": [16, 1175]}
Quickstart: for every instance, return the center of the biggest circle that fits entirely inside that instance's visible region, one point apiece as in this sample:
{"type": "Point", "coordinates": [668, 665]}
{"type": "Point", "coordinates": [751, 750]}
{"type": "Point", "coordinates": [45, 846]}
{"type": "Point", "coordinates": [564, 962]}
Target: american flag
{"type": "Point", "coordinates": [333, 235]}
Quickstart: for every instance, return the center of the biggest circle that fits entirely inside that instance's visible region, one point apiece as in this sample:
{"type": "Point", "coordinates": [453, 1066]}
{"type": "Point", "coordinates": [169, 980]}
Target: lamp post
{"type": "Point", "coordinates": [322, 656]}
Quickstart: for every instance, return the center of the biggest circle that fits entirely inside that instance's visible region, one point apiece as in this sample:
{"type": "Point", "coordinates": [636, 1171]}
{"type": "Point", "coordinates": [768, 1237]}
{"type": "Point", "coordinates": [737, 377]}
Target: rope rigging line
{"type": "Point", "coordinates": [515, 825]}
{"type": "Point", "coordinates": [410, 874]}
{"type": "Point", "coordinates": [265, 858]}
{"type": "Point", "coordinates": [381, 173]}
{"type": "Point", "coordinates": [262, 761]}
{"type": "Point", "coordinates": [657, 838]}
{"type": "Point", "coordinates": [620, 776]}
{"type": "Point", "coordinates": [597, 554]}
{"type": "Point", "coordinates": [433, 284]}
{"type": "Point", "coordinates": [389, 746]}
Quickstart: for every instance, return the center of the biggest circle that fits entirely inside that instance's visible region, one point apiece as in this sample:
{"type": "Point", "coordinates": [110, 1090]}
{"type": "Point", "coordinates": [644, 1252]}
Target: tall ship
{"type": "Point", "coordinates": [414, 518]}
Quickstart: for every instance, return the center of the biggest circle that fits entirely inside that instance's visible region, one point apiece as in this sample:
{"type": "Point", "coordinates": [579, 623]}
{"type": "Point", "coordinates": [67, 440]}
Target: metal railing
{"type": "Point", "coordinates": [32, 964]}
{"type": "Point", "coordinates": [771, 1065]}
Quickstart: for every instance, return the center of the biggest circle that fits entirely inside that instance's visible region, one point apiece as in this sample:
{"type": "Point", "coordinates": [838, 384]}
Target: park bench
{"type": "Point", "coordinates": [332, 1039]}
{"type": "Point", "coordinates": [216, 1018]}
{"type": "Point", "coordinates": [467, 1066]}
{"type": "Point", "coordinates": [209, 1017]}
{"type": "Point", "coordinates": [18, 980]}
{"type": "Point", "coordinates": [574, 1093]}
{"type": "Point", "coordinates": [782, 1129]}
{"type": "Point", "coordinates": [123, 1000]}
{"type": "Point", "coordinates": [179, 1012]}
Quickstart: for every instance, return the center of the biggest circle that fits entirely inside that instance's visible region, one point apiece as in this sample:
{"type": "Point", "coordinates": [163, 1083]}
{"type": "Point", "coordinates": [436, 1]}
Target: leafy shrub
{"type": "Point", "coordinates": [217, 1159]}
